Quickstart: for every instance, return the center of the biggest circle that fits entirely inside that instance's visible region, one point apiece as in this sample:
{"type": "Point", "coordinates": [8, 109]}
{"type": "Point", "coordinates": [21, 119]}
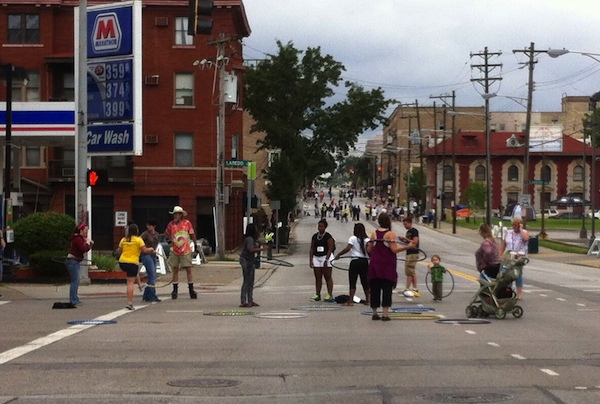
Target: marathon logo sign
{"type": "Point", "coordinates": [110, 30]}
{"type": "Point", "coordinates": [106, 34]}
{"type": "Point", "coordinates": [112, 138]}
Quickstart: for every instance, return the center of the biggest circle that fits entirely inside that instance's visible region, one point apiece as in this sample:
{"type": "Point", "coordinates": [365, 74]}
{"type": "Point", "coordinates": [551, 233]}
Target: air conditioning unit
{"type": "Point", "coordinates": [151, 139]}
{"type": "Point", "coordinates": [68, 172]}
{"type": "Point", "coordinates": [161, 21]}
{"type": "Point", "coordinates": [151, 80]}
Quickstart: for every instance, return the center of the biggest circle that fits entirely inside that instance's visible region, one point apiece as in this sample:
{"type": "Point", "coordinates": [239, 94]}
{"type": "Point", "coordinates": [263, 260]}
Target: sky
{"type": "Point", "coordinates": [418, 49]}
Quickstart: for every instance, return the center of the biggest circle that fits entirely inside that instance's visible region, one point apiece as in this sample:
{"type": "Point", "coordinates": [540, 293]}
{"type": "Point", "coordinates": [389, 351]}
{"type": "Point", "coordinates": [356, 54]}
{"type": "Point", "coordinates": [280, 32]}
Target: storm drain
{"type": "Point", "coordinates": [204, 383]}
{"type": "Point", "coordinates": [466, 398]}
{"type": "Point", "coordinates": [280, 315]}
{"type": "Point", "coordinates": [317, 308]}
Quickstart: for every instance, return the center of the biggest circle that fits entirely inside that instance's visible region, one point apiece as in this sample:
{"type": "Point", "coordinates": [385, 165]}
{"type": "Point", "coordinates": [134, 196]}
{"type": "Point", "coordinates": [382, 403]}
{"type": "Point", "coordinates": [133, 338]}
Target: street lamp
{"type": "Point", "coordinates": [555, 53]}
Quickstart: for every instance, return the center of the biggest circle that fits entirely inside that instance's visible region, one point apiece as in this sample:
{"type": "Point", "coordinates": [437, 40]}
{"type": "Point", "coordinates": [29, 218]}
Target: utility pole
{"type": "Point", "coordinates": [531, 53]}
{"type": "Point", "coordinates": [443, 185]}
{"type": "Point", "coordinates": [220, 174]}
{"type": "Point", "coordinates": [435, 167]}
{"type": "Point", "coordinates": [486, 68]}
{"type": "Point", "coordinates": [422, 172]}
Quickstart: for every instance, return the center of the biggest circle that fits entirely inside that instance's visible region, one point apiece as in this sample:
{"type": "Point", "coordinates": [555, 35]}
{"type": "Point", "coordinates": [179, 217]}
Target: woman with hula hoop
{"type": "Point", "coordinates": [78, 247]}
{"type": "Point", "coordinates": [383, 277]}
{"type": "Point", "coordinates": [321, 251]}
{"type": "Point", "coordinates": [247, 262]}
{"type": "Point", "coordinates": [359, 262]}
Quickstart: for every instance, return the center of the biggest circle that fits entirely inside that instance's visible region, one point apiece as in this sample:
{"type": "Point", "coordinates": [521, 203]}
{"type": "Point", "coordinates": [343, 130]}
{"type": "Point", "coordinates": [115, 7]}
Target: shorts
{"type": "Point", "coordinates": [180, 261]}
{"type": "Point", "coordinates": [319, 262]}
{"type": "Point", "coordinates": [131, 269]}
{"type": "Point", "coordinates": [410, 268]}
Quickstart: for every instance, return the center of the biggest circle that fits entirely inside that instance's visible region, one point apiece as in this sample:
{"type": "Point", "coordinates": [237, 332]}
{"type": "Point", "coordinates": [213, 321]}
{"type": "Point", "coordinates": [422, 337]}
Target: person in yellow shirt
{"type": "Point", "coordinates": [130, 248]}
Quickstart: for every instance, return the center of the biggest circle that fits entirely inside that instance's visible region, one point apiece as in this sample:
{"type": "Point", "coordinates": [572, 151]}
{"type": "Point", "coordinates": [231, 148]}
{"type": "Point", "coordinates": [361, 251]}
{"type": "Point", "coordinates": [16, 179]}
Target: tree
{"type": "Point", "coordinates": [292, 99]}
{"type": "Point", "coordinates": [475, 195]}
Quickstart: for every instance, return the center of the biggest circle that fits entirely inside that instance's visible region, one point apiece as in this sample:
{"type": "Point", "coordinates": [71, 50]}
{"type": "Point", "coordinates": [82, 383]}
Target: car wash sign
{"type": "Point", "coordinates": [114, 87]}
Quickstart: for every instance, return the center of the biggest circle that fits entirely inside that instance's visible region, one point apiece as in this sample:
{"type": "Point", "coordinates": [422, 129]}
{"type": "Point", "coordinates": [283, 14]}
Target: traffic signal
{"type": "Point", "coordinates": [196, 23]}
{"type": "Point", "coordinates": [96, 177]}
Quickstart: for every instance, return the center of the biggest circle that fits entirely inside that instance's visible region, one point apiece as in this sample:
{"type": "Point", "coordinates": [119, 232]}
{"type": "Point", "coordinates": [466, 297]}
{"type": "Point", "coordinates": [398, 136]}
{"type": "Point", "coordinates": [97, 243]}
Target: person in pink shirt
{"type": "Point", "coordinates": [180, 233]}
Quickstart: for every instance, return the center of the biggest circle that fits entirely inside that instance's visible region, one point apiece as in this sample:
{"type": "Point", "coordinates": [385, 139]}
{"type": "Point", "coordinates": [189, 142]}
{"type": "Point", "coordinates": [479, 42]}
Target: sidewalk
{"type": "Point", "coordinates": [546, 254]}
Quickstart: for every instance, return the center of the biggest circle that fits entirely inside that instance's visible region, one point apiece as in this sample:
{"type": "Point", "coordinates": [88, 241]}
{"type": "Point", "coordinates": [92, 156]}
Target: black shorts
{"type": "Point", "coordinates": [131, 269]}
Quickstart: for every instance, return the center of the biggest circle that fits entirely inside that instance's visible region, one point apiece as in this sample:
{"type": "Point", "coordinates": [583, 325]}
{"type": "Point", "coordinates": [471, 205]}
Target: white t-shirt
{"type": "Point", "coordinates": [356, 251]}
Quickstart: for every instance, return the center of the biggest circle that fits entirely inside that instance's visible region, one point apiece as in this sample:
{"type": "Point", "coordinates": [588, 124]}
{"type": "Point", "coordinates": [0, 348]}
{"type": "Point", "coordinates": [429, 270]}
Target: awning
{"type": "Point", "coordinates": [64, 57]}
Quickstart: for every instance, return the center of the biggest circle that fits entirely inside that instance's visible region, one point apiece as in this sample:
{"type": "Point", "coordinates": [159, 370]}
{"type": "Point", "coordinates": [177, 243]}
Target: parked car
{"type": "Point", "coordinates": [596, 214]}
{"type": "Point", "coordinates": [549, 212]}
{"type": "Point", "coordinates": [568, 215]}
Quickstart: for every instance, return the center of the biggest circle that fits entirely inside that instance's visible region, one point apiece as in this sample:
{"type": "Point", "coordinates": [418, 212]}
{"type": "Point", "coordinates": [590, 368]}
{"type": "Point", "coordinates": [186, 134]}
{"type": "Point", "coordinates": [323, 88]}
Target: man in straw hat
{"type": "Point", "coordinates": [179, 233]}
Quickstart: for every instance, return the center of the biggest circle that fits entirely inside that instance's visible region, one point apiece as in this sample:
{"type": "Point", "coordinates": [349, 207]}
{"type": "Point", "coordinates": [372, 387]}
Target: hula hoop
{"type": "Point", "coordinates": [422, 254]}
{"type": "Point", "coordinates": [462, 321]}
{"type": "Point", "coordinates": [275, 261]}
{"type": "Point", "coordinates": [62, 260]}
{"type": "Point", "coordinates": [344, 268]}
{"type": "Point", "coordinates": [91, 322]}
{"type": "Point", "coordinates": [229, 313]}
{"type": "Point", "coordinates": [448, 283]}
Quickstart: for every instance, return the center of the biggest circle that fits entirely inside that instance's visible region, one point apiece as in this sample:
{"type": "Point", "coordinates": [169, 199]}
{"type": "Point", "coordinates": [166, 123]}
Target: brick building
{"type": "Point", "coordinates": [180, 109]}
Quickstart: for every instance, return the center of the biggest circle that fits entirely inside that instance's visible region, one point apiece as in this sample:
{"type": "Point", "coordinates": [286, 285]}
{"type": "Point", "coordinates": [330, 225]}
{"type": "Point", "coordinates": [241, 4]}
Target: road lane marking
{"type": "Point", "coordinates": [494, 344]}
{"type": "Point", "coordinates": [580, 388]}
{"type": "Point", "coordinates": [549, 372]}
{"type": "Point", "coordinates": [464, 275]}
{"type": "Point", "coordinates": [517, 356]}
{"type": "Point", "coordinates": [4, 302]}
{"type": "Point", "coordinates": [470, 332]}
{"type": "Point", "coordinates": [560, 299]}
{"type": "Point", "coordinates": [543, 295]}
{"type": "Point", "coordinates": [581, 304]}
{"type": "Point", "coordinates": [14, 353]}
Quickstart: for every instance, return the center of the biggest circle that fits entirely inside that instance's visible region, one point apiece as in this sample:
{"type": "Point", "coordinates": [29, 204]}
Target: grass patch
{"type": "Point", "coordinates": [562, 247]}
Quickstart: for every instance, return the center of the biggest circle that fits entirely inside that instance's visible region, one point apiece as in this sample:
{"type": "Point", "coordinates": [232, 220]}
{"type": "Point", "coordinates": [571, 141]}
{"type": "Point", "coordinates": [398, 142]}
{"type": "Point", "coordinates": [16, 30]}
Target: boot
{"type": "Point", "coordinates": [174, 292]}
{"type": "Point", "coordinates": [193, 294]}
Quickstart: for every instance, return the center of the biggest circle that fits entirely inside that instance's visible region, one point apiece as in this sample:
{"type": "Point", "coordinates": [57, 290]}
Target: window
{"type": "Point", "coordinates": [546, 173]}
{"type": "Point", "coordinates": [181, 35]}
{"type": "Point", "coordinates": [33, 156]}
{"type": "Point", "coordinates": [234, 146]}
{"type": "Point", "coordinates": [480, 173]}
{"type": "Point", "coordinates": [578, 173]}
{"type": "Point", "coordinates": [184, 89]}
{"type": "Point", "coordinates": [23, 28]}
{"type": "Point", "coordinates": [513, 173]}
{"type": "Point", "coordinates": [448, 173]}
{"type": "Point", "coordinates": [27, 89]}
{"type": "Point", "coordinates": [68, 92]}
{"type": "Point", "coordinates": [184, 146]}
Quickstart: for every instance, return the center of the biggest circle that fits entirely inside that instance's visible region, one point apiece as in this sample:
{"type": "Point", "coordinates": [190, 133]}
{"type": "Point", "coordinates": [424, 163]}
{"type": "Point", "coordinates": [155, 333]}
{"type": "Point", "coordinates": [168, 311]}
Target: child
{"type": "Point", "coordinates": [437, 277]}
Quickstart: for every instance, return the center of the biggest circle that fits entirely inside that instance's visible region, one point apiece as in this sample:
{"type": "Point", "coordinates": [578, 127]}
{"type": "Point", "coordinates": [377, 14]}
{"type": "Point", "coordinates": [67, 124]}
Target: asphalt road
{"type": "Point", "coordinates": [171, 352]}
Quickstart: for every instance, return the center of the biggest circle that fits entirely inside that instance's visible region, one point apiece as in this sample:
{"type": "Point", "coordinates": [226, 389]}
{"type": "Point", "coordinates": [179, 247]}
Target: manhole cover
{"type": "Point", "coordinates": [203, 383]}
{"type": "Point", "coordinates": [466, 398]}
{"type": "Point", "coordinates": [91, 322]}
{"type": "Point", "coordinates": [280, 315]}
{"type": "Point", "coordinates": [229, 313]}
{"type": "Point", "coordinates": [463, 321]}
{"type": "Point", "coordinates": [317, 308]}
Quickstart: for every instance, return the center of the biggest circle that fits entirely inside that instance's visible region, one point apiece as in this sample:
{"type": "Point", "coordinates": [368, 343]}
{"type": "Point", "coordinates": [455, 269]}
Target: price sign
{"type": "Point", "coordinates": [110, 91]}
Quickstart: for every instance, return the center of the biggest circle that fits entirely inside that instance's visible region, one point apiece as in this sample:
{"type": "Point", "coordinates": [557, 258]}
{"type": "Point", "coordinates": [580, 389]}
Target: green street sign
{"type": "Point", "coordinates": [539, 182]}
{"type": "Point", "coordinates": [236, 163]}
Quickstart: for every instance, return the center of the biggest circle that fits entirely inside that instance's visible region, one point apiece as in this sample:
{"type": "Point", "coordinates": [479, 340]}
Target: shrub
{"type": "Point", "coordinates": [43, 231]}
{"type": "Point", "coordinates": [105, 262]}
{"type": "Point", "coordinates": [49, 263]}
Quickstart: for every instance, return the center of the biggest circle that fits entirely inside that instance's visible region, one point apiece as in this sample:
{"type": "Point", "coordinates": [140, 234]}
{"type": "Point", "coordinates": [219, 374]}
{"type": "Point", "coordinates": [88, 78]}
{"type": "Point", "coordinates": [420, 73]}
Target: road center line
{"type": "Point", "coordinates": [4, 302]}
{"type": "Point", "coordinates": [517, 356]}
{"type": "Point", "coordinates": [549, 372]}
{"type": "Point", "coordinates": [560, 299]}
{"type": "Point", "coordinates": [494, 344]}
{"type": "Point", "coordinates": [470, 332]}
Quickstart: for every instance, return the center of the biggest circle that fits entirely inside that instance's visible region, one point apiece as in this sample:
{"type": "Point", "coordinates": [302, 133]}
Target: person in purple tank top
{"type": "Point", "coordinates": [382, 274]}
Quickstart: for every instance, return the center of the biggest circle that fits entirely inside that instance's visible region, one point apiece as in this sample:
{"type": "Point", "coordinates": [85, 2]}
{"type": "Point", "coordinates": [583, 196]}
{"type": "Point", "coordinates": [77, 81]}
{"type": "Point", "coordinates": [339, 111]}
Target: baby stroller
{"type": "Point", "coordinates": [495, 295]}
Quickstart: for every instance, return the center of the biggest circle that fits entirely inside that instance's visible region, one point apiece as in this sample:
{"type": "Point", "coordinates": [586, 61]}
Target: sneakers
{"type": "Point", "coordinates": [315, 298]}
{"type": "Point", "coordinates": [329, 298]}
{"type": "Point", "coordinates": [417, 293]}
{"type": "Point", "coordinates": [130, 307]}
{"type": "Point", "coordinates": [385, 318]}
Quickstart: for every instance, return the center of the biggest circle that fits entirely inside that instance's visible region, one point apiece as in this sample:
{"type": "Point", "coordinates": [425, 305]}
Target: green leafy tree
{"type": "Point", "coordinates": [414, 181]}
{"type": "Point", "coordinates": [43, 231]}
{"type": "Point", "coordinates": [292, 99]}
{"type": "Point", "coordinates": [475, 195]}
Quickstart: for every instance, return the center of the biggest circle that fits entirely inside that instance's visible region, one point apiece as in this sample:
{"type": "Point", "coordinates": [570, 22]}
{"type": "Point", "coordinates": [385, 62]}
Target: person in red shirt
{"type": "Point", "coordinates": [180, 233]}
{"type": "Point", "coordinates": [78, 247]}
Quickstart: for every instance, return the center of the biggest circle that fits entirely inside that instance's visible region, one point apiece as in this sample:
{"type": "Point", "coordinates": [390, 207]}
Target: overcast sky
{"type": "Point", "coordinates": [414, 49]}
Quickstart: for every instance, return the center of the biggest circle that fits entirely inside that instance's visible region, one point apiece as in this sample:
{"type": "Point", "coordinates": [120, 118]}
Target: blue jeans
{"type": "Point", "coordinates": [73, 267]}
{"type": "Point", "coordinates": [149, 262]}
{"type": "Point", "coordinates": [248, 285]}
